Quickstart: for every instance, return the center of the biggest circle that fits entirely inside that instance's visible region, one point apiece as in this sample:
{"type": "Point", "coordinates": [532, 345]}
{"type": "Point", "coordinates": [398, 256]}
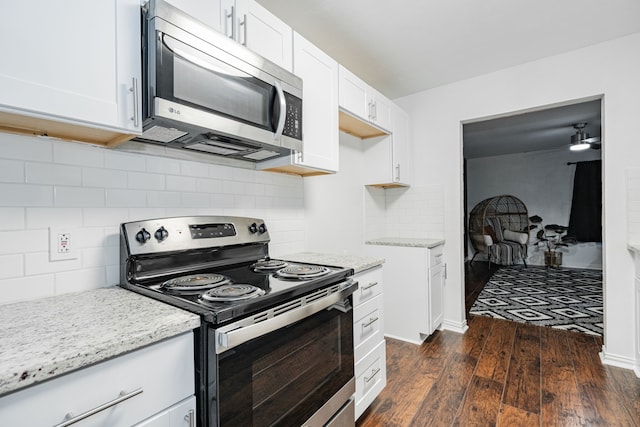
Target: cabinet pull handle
{"type": "Point", "coordinates": [370, 105]}
{"type": "Point", "coordinates": [232, 16]}
{"type": "Point", "coordinates": [370, 322]}
{"type": "Point", "coordinates": [243, 24]}
{"type": "Point", "coordinates": [71, 419]}
{"type": "Point", "coordinates": [373, 374]}
{"type": "Point", "coordinates": [398, 172]}
{"type": "Point", "coordinates": [190, 417]}
{"type": "Point", "coordinates": [375, 111]}
{"type": "Point", "coordinates": [136, 100]}
{"type": "Point", "coordinates": [369, 286]}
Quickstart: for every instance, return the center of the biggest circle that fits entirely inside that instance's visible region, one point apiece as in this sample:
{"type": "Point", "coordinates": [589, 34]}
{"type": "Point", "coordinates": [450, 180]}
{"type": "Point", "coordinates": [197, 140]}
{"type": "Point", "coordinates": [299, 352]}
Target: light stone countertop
{"type": "Point", "coordinates": [358, 263]}
{"type": "Point", "coordinates": [402, 241]}
{"type": "Point", "coordinates": [45, 338]}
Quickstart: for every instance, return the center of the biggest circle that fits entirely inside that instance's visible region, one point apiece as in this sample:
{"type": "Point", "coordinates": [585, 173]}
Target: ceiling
{"type": "Point", "coordinates": [403, 47]}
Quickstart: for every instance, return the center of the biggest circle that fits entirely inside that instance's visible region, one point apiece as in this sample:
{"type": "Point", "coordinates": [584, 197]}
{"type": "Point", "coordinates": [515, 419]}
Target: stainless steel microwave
{"type": "Point", "coordinates": [203, 91]}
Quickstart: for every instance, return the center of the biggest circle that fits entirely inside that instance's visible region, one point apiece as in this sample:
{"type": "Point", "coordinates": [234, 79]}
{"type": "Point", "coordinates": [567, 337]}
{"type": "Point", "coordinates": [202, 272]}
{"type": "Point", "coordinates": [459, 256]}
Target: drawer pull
{"type": "Point", "coordinates": [370, 322]}
{"type": "Point", "coordinates": [190, 418]}
{"type": "Point", "coordinates": [373, 374]}
{"type": "Point", "coordinates": [369, 286]}
{"type": "Point", "coordinates": [71, 419]}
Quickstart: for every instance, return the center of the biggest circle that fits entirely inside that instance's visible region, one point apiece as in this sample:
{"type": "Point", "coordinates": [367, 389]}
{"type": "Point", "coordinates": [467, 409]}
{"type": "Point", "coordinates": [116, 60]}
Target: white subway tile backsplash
{"type": "Point", "coordinates": [196, 169]}
{"type": "Point", "coordinates": [11, 266]}
{"type": "Point", "coordinates": [124, 161]}
{"type": "Point", "coordinates": [222, 201]}
{"type": "Point", "coordinates": [182, 183]}
{"type": "Point", "coordinates": [11, 171]}
{"type": "Point", "coordinates": [25, 195]}
{"type": "Point", "coordinates": [163, 166]}
{"type": "Point", "coordinates": [116, 198]}
{"type": "Point", "coordinates": [206, 185]}
{"type": "Point", "coordinates": [47, 183]}
{"type": "Point", "coordinates": [103, 217]}
{"type": "Point", "coordinates": [104, 178]}
{"type": "Point", "coordinates": [80, 280]}
{"type": "Point", "coordinates": [23, 147]}
{"type": "Point", "coordinates": [163, 199]}
{"type": "Point", "coordinates": [38, 263]}
{"type": "Point", "coordinates": [52, 174]}
{"type": "Point", "coordinates": [146, 181]}
{"type": "Point", "coordinates": [78, 197]}
{"type": "Point", "coordinates": [47, 217]}
{"type": "Point", "coordinates": [78, 154]}
{"type": "Point", "coordinates": [24, 241]}
{"type": "Point", "coordinates": [195, 200]}
{"type": "Point", "coordinates": [26, 288]}
{"type": "Point", "coordinates": [100, 256]}
{"type": "Point", "coordinates": [12, 219]}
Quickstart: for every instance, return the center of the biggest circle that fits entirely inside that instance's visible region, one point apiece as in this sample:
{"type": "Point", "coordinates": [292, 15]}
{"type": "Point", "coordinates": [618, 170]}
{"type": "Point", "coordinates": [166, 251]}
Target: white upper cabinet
{"type": "Point", "coordinates": [210, 12]}
{"type": "Point", "coordinates": [388, 158]}
{"type": "Point", "coordinates": [268, 36]}
{"type": "Point", "coordinates": [73, 71]}
{"type": "Point", "coordinates": [360, 100]}
{"type": "Point", "coordinates": [319, 73]}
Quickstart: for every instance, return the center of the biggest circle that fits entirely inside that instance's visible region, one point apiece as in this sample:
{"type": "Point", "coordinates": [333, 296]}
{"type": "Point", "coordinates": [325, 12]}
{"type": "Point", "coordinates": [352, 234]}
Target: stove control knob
{"type": "Point", "coordinates": [262, 228]}
{"type": "Point", "coordinates": [161, 234]}
{"type": "Point", "coordinates": [142, 236]}
{"type": "Point", "coordinates": [253, 228]}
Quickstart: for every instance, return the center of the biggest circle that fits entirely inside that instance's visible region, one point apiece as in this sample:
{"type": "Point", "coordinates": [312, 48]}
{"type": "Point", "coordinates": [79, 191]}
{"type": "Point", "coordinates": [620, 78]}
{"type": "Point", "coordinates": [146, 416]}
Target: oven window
{"type": "Point", "coordinates": [284, 377]}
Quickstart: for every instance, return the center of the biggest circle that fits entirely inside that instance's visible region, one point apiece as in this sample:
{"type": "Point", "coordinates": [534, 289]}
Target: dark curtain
{"type": "Point", "coordinates": [585, 222]}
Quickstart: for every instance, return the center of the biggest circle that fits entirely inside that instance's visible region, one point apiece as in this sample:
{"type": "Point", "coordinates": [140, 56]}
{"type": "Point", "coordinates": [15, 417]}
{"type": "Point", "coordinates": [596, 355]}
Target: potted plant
{"type": "Point", "coordinates": [552, 236]}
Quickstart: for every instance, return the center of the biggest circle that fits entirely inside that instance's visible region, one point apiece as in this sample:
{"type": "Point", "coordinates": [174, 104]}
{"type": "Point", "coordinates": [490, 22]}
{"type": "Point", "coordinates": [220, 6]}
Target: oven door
{"type": "Point", "coordinates": [298, 374]}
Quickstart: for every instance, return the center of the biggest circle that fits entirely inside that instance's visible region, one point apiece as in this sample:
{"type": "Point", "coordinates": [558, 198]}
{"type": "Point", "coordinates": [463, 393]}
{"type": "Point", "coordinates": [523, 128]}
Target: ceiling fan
{"type": "Point", "coordinates": [581, 140]}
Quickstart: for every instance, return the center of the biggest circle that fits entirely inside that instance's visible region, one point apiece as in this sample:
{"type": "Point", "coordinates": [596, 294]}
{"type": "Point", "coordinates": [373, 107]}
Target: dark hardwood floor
{"type": "Point", "coordinates": [502, 373]}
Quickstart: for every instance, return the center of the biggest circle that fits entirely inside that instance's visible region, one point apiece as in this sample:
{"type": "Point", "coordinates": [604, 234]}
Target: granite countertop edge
{"type": "Point", "coordinates": [356, 262]}
{"type": "Point", "coordinates": [406, 242]}
{"type": "Point", "coordinates": [97, 325]}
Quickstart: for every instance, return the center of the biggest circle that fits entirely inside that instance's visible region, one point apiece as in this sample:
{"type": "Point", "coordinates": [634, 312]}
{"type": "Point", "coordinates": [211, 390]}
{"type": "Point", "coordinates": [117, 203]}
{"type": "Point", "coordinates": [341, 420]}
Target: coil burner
{"type": "Point", "coordinates": [231, 292]}
{"type": "Point", "coordinates": [302, 272]}
{"type": "Point", "coordinates": [194, 283]}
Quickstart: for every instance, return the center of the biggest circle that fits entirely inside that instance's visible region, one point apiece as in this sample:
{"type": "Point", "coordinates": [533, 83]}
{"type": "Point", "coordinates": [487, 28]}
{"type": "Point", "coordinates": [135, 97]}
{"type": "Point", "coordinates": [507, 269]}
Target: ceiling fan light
{"type": "Point", "coordinates": [580, 146]}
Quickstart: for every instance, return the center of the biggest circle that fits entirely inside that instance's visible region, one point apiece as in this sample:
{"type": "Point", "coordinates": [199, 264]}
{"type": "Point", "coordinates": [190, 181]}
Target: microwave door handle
{"type": "Point", "coordinates": [283, 110]}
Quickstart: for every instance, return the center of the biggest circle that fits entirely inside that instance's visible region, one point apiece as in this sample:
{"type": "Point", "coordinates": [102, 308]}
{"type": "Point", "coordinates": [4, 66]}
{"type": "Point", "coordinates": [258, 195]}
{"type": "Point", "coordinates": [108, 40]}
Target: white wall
{"type": "Point", "coordinates": [612, 71]}
{"type": "Point", "coordinates": [544, 183]}
{"type": "Point", "coordinates": [47, 183]}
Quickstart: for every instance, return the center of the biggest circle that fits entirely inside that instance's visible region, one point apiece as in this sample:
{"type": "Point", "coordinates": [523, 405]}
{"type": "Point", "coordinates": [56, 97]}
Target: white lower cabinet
{"type": "Point", "coordinates": [368, 338]}
{"type": "Point", "coordinates": [157, 381]}
{"type": "Point", "coordinates": [413, 290]}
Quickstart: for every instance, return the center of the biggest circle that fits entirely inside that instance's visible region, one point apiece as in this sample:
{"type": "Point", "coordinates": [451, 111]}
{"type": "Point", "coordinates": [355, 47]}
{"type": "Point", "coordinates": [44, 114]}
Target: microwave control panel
{"type": "Point", "coordinates": [293, 121]}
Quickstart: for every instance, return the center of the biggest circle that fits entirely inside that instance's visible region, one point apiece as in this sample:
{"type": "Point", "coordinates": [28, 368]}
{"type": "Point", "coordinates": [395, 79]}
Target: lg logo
{"type": "Point", "coordinates": [174, 111]}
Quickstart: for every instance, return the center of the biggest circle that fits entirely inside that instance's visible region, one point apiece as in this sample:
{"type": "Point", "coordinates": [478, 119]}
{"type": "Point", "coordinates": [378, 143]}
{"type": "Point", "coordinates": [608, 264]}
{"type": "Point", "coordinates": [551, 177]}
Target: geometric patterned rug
{"type": "Point", "coordinates": [562, 298]}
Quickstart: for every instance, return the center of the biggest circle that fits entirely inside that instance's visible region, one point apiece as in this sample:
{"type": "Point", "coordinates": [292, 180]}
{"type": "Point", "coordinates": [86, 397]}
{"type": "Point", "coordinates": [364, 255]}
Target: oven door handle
{"type": "Point", "coordinates": [242, 331]}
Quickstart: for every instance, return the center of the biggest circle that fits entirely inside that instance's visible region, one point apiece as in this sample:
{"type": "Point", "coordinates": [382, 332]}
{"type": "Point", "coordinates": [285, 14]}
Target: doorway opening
{"type": "Point", "coordinates": [527, 155]}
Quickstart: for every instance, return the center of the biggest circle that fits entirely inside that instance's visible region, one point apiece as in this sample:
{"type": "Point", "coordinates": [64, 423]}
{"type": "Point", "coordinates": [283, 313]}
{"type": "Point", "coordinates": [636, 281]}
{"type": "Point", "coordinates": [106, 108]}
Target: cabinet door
{"type": "Point", "coordinates": [354, 94]}
{"type": "Point", "coordinates": [380, 109]}
{"type": "Point", "coordinates": [64, 64]}
{"type": "Point", "coordinates": [209, 12]}
{"type": "Point", "coordinates": [319, 73]}
{"type": "Point", "coordinates": [267, 35]}
{"type": "Point", "coordinates": [401, 148]}
{"type": "Point", "coordinates": [436, 297]}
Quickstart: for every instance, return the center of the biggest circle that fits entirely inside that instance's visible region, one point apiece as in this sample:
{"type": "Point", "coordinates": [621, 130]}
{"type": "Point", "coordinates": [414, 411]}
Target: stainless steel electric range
{"type": "Point", "coordinates": [275, 346]}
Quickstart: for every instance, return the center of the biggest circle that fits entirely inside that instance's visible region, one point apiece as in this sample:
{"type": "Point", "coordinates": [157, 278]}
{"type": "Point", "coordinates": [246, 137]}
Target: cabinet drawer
{"type": "Point", "coordinates": [369, 285]}
{"type": "Point", "coordinates": [436, 256]}
{"type": "Point", "coordinates": [164, 372]}
{"type": "Point", "coordinates": [371, 377]}
{"type": "Point", "coordinates": [368, 326]}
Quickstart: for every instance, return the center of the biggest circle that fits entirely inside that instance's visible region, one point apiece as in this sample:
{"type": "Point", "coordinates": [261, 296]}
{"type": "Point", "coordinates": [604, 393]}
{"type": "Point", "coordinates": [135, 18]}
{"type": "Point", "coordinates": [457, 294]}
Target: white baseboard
{"type": "Point", "coordinates": [403, 339]}
{"type": "Point", "coordinates": [619, 361]}
{"type": "Point", "coordinates": [460, 327]}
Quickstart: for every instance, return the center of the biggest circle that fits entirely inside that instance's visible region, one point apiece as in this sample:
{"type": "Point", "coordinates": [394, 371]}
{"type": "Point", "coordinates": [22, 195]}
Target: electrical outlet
{"type": "Point", "coordinates": [61, 244]}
